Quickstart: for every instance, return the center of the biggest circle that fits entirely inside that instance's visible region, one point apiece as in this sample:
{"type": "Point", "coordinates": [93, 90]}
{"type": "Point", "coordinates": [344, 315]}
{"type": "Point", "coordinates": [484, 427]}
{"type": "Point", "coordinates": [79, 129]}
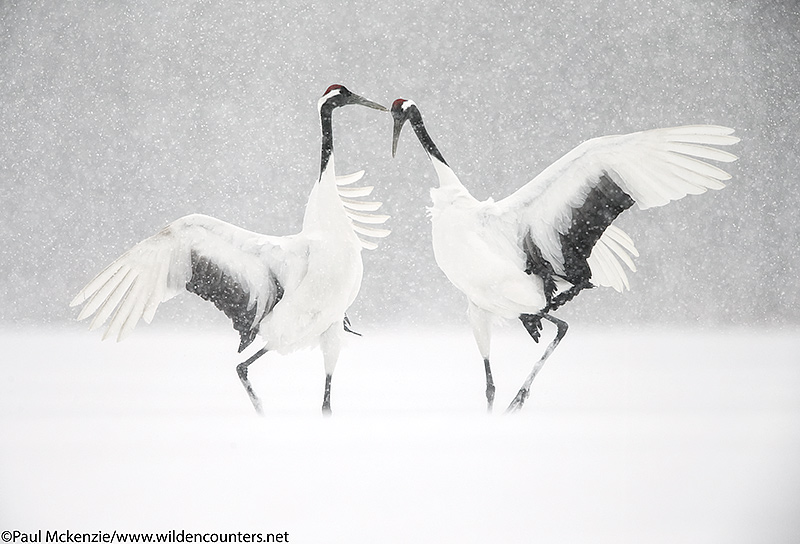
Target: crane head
{"type": "Point", "coordinates": [401, 112]}
{"type": "Point", "coordinates": [338, 95]}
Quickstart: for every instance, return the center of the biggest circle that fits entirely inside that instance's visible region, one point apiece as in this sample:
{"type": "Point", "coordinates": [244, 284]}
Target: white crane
{"type": "Point", "coordinates": [526, 255]}
{"type": "Point", "coordinates": [293, 291]}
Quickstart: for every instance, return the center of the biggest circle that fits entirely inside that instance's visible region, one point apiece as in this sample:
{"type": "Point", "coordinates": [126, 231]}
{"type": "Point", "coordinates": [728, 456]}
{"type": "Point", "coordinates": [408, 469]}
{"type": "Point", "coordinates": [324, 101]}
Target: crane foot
{"type": "Point", "coordinates": [519, 401]}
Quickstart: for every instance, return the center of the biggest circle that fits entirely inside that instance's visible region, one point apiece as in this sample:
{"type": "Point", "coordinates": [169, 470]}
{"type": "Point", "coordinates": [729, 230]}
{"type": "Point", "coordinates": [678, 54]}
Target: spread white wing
{"type": "Point", "coordinates": [567, 210]}
{"type": "Point", "coordinates": [242, 272]}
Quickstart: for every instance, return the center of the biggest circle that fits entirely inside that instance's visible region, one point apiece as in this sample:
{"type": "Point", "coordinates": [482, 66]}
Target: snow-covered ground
{"type": "Point", "coordinates": [629, 436]}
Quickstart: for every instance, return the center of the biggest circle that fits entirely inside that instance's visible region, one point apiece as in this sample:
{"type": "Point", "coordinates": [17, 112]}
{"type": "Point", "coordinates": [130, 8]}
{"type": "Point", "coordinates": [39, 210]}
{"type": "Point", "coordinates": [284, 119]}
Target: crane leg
{"type": "Point", "coordinates": [524, 391]}
{"type": "Point", "coordinates": [481, 322]}
{"type": "Point", "coordinates": [331, 343]}
{"type": "Point", "coordinates": [489, 385]}
{"type": "Point", "coordinates": [241, 370]}
{"type": "Point", "coordinates": [326, 400]}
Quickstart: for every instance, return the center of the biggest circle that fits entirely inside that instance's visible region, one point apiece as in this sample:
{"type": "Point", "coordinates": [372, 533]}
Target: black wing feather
{"type": "Point", "coordinates": [602, 206]}
{"type": "Point", "coordinates": [211, 283]}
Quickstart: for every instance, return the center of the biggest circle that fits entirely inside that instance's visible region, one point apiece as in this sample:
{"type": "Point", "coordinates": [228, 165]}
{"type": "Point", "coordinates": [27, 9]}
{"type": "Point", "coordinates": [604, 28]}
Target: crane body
{"type": "Point", "coordinates": [526, 255]}
{"type": "Point", "coordinates": [292, 291]}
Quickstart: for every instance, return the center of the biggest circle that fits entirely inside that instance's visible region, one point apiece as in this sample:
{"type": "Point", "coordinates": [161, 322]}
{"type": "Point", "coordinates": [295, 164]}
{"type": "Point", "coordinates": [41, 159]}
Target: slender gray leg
{"type": "Point", "coordinates": [524, 391]}
{"type": "Point", "coordinates": [489, 385]}
{"type": "Point", "coordinates": [326, 400]}
{"type": "Point", "coordinates": [241, 369]}
{"type": "Point", "coordinates": [481, 322]}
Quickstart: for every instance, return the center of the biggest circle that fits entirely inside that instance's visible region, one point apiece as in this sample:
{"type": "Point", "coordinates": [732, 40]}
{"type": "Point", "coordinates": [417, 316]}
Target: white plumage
{"type": "Point", "coordinates": [526, 255]}
{"type": "Point", "coordinates": [653, 167]}
{"type": "Point", "coordinates": [293, 290]}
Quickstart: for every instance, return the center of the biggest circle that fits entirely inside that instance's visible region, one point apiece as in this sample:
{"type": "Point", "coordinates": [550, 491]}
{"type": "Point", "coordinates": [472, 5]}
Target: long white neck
{"type": "Point", "coordinates": [447, 178]}
{"type": "Point", "coordinates": [324, 209]}
{"type": "Point", "coordinates": [450, 192]}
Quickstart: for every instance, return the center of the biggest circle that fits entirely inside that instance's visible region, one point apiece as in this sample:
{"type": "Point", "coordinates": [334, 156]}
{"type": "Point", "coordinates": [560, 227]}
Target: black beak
{"type": "Point", "coordinates": [361, 101]}
{"type": "Point", "coordinates": [399, 121]}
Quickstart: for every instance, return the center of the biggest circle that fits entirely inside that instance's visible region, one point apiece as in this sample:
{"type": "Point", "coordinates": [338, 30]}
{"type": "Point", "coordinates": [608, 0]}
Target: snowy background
{"type": "Point", "coordinates": [669, 413]}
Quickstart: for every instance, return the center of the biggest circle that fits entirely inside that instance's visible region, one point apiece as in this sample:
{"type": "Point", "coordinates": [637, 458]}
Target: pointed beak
{"type": "Point", "coordinates": [398, 126]}
{"type": "Point", "coordinates": [361, 101]}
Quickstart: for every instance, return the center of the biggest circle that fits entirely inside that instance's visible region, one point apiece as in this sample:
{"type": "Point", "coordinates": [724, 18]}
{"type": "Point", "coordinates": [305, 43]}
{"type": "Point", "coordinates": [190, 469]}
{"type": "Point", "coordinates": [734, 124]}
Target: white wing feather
{"type": "Point", "coordinates": [607, 257]}
{"type": "Point", "coordinates": [347, 179]}
{"type": "Point", "coordinates": [654, 167]}
{"type": "Point", "coordinates": [158, 268]}
{"type": "Point", "coordinates": [361, 212]}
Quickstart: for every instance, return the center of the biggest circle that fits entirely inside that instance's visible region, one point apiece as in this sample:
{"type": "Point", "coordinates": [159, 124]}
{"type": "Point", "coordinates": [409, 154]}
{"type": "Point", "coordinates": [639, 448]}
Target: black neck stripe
{"type": "Point", "coordinates": [422, 134]}
{"type": "Point", "coordinates": [326, 114]}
